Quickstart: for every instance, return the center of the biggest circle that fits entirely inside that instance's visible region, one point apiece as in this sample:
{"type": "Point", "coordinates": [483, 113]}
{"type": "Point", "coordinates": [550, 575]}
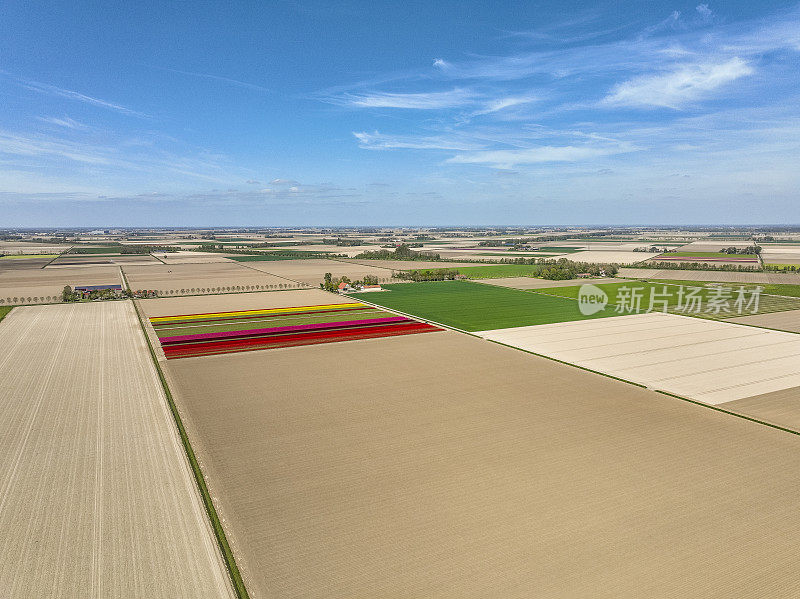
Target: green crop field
{"type": "Point", "coordinates": [4, 310]}
{"type": "Point", "coordinates": [767, 288]}
{"type": "Point", "coordinates": [675, 294]}
{"type": "Point", "coordinates": [476, 307]}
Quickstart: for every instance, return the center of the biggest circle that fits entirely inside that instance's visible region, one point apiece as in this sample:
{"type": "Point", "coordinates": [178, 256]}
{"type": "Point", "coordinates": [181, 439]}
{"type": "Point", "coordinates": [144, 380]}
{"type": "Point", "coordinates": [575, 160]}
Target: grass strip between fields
{"type": "Point", "coordinates": [219, 532]}
{"type": "Point", "coordinates": [4, 310]}
{"type": "Point", "coordinates": [730, 412]}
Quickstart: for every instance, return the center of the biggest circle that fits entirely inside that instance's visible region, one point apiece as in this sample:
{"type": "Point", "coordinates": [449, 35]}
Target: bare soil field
{"type": "Point", "coordinates": [186, 279]}
{"type": "Point", "coordinates": [407, 264]}
{"type": "Point", "coordinates": [7, 264]}
{"type": "Point", "coordinates": [190, 257]}
{"type": "Point", "coordinates": [311, 272]}
{"type": "Point", "coordinates": [95, 259]}
{"type": "Point", "coordinates": [710, 361]}
{"type": "Point", "coordinates": [785, 321]}
{"type": "Point", "coordinates": [96, 496]}
{"type": "Point", "coordinates": [531, 283]}
{"type": "Point", "coordinates": [170, 306]}
{"type": "Point", "coordinates": [601, 257]}
{"type": "Point", "coordinates": [42, 283]}
{"type": "Point", "coordinates": [711, 275]}
{"type": "Point", "coordinates": [779, 407]}
{"type": "Point", "coordinates": [706, 245]}
{"type": "Point", "coordinates": [28, 247]}
{"type": "Point", "coordinates": [443, 465]}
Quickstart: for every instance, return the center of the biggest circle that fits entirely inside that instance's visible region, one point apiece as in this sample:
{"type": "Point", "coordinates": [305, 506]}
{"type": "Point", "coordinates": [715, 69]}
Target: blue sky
{"type": "Point", "coordinates": [414, 113]}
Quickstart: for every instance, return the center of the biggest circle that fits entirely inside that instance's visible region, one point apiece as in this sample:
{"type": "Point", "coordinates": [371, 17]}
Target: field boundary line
{"type": "Point", "coordinates": [54, 258]}
{"type": "Point", "coordinates": [264, 272]}
{"type": "Point", "coordinates": [616, 378]}
{"type": "Point", "coordinates": [419, 318]}
{"type": "Point", "coordinates": [219, 532]}
{"type": "Point", "coordinates": [730, 412]}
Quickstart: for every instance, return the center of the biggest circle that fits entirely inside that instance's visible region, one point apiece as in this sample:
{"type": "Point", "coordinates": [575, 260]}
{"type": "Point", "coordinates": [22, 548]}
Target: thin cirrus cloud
{"type": "Point", "coordinates": [62, 122]}
{"type": "Point", "coordinates": [379, 141]}
{"type": "Point", "coordinates": [416, 101]}
{"type": "Point", "coordinates": [44, 88]}
{"type": "Point", "coordinates": [506, 159]}
{"type": "Point", "coordinates": [674, 89]}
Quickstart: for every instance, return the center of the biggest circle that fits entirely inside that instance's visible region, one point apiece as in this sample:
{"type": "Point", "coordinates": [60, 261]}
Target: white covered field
{"type": "Point", "coordinates": [706, 360]}
{"type": "Point", "coordinates": [97, 499]}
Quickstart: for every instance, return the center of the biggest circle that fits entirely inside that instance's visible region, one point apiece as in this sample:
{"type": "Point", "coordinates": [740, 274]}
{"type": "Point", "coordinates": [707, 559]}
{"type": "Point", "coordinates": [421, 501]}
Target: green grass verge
{"type": "Point", "coordinates": [227, 553]}
{"type": "Point", "coordinates": [4, 310]}
{"type": "Point", "coordinates": [476, 307]}
{"type": "Point", "coordinates": [789, 267]}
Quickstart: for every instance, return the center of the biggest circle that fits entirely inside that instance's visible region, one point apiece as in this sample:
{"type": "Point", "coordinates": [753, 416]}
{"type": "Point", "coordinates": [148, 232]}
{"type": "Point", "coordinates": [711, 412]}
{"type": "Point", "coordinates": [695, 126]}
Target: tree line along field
{"type": "Point", "coordinates": [476, 307]}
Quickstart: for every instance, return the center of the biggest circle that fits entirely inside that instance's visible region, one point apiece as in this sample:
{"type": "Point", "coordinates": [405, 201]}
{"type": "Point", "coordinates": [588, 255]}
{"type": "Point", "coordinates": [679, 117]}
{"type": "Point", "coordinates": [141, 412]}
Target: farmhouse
{"type": "Point", "coordinates": [86, 290]}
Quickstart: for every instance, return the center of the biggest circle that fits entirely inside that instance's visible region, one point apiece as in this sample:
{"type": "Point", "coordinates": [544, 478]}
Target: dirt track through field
{"type": "Point", "coordinates": [96, 496]}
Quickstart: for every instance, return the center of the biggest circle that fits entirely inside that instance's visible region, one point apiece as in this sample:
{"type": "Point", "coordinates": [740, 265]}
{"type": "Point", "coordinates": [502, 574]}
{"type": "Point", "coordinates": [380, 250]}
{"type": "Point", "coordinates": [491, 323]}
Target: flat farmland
{"type": "Point", "coordinates": [719, 276]}
{"type": "Point", "coordinates": [190, 257]}
{"type": "Point", "coordinates": [710, 361]}
{"type": "Point", "coordinates": [406, 264]}
{"type": "Point", "coordinates": [674, 298]}
{"type": "Point", "coordinates": [170, 306]}
{"type": "Point", "coordinates": [607, 257]}
{"type": "Point", "coordinates": [183, 279]}
{"type": "Point", "coordinates": [93, 259]}
{"type": "Point", "coordinates": [778, 407]}
{"type": "Point", "coordinates": [526, 283]}
{"type": "Point", "coordinates": [38, 284]}
{"type": "Point", "coordinates": [96, 495]}
{"type": "Point", "coordinates": [203, 334]}
{"type": "Point", "coordinates": [468, 469]}
{"type": "Point", "coordinates": [312, 271]}
{"type": "Point", "coordinates": [474, 306]}
{"type": "Point", "coordinates": [784, 321]}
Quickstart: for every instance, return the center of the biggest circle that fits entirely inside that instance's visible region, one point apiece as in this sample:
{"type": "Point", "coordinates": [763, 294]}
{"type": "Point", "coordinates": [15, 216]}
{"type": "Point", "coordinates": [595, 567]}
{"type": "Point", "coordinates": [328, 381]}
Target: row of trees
{"type": "Point", "coordinates": [695, 266]}
{"type": "Point", "coordinates": [401, 252]}
{"type": "Point", "coordinates": [331, 283]}
{"type": "Point", "coordinates": [750, 250]}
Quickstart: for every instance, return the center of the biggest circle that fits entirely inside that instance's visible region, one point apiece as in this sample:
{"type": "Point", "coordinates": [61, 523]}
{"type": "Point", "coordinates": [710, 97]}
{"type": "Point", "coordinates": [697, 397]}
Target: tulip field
{"type": "Point", "coordinates": [190, 335]}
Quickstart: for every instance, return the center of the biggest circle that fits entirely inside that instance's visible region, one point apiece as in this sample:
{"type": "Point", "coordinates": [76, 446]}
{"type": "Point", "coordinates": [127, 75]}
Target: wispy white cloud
{"type": "Point", "coordinates": [674, 89]}
{"type": "Point", "coordinates": [542, 154]}
{"type": "Point", "coordinates": [379, 141]}
{"type": "Point", "coordinates": [44, 88]}
{"type": "Point", "coordinates": [62, 122]}
{"type": "Point", "coordinates": [416, 101]}
{"type": "Point", "coordinates": [220, 78]}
